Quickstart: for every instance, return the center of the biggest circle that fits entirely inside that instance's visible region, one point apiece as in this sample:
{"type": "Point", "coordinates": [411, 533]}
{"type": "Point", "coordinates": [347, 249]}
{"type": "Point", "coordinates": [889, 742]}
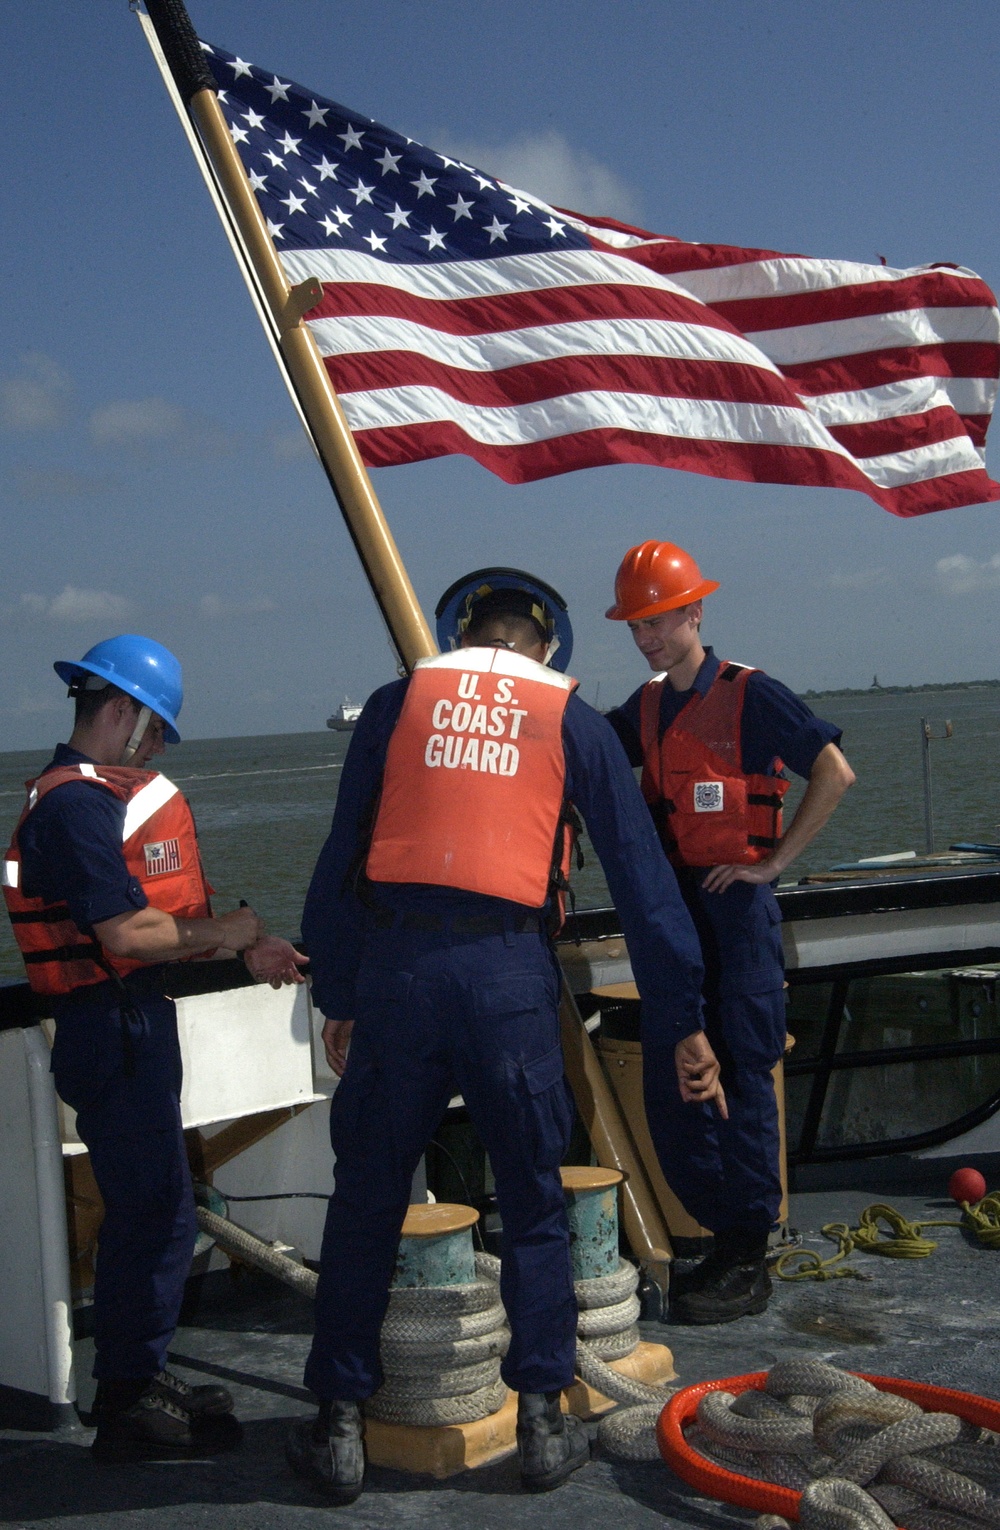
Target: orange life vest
{"type": "Point", "coordinates": [708, 811]}
{"type": "Point", "coordinates": [160, 850]}
{"type": "Point", "coordinates": [473, 795]}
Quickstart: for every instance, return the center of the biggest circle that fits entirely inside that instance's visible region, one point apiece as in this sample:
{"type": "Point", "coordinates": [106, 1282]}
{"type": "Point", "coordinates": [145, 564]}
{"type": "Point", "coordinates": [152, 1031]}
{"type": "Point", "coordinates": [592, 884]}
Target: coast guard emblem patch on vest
{"type": "Point", "coordinates": [164, 855]}
{"type": "Point", "coordinates": [708, 797]}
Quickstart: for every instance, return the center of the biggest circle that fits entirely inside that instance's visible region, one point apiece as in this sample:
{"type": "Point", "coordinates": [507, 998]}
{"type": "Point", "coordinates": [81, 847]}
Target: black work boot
{"type": "Point", "coordinates": [330, 1451]}
{"type": "Point", "coordinates": [693, 1276]}
{"type": "Point", "coordinates": [197, 1402]}
{"type": "Point", "coordinates": [550, 1444]}
{"type": "Point", "coordinates": [137, 1421]}
{"type": "Point", "coordinates": [732, 1282]}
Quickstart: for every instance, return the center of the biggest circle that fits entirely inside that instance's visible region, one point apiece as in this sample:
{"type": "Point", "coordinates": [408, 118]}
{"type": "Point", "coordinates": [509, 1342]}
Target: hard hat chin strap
{"type": "Point", "coordinates": [141, 724]}
{"type": "Point", "coordinates": [552, 649]}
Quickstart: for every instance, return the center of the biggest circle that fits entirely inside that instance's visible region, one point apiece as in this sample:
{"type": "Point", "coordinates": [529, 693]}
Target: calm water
{"type": "Point", "coordinates": [263, 805]}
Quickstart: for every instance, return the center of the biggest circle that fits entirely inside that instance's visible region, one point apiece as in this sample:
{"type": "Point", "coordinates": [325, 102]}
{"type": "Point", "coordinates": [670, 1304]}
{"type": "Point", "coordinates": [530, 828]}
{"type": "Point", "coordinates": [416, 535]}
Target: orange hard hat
{"type": "Point", "coordinates": [655, 577]}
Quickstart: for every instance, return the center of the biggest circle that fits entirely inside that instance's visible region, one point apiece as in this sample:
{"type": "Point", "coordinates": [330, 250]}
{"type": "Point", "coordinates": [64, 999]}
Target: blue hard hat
{"type": "Point", "coordinates": [456, 606]}
{"type": "Point", "coordinates": [138, 666]}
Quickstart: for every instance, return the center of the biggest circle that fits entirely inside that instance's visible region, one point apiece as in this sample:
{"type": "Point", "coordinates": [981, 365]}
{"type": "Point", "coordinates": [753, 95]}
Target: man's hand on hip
{"type": "Point", "coordinates": [698, 1073]}
{"type": "Point", "coordinates": [721, 877]}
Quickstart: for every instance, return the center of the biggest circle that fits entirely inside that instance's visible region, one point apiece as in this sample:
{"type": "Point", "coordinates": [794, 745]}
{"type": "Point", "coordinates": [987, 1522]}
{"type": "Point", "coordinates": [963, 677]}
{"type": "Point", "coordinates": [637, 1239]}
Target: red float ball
{"type": "Point", "coordinates": [967, 1185]}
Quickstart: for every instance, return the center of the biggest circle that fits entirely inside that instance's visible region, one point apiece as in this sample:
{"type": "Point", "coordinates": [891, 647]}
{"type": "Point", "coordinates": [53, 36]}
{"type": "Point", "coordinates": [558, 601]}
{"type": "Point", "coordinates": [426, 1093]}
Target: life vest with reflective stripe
{"type": "Point", "coordinates": [160, 849]}
{"type": "Point", "coordinates": [707, 810]}
{"type": "Point", "coordinates": [473, 795]}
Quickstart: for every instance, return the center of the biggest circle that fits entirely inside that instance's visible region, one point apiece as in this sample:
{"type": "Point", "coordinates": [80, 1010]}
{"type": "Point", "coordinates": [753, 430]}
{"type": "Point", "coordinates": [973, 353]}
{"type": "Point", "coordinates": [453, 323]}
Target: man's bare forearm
{"type": "Point", "coordinates": [829, 779]}
{"type": "Point", "coordinates": [151, 935]}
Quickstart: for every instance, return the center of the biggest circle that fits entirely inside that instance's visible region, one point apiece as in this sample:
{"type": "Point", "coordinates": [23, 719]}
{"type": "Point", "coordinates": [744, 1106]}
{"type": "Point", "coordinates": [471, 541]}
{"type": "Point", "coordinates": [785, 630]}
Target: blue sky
{"type": "Point", "coordinates": [155, 477]}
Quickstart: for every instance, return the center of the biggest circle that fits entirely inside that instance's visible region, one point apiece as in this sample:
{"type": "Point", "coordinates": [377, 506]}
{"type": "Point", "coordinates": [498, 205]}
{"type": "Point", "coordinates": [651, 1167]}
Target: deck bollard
{"type": "Point", "coordinates": [592, 1208]}
{"type": "Point", "coordinates": [435, 1248]}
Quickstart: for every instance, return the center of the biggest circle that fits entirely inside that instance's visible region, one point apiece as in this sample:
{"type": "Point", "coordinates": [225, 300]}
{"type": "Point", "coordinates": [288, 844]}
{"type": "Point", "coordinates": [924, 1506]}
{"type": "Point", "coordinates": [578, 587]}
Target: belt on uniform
{"type": "Point", "coordinates": [474, 924]}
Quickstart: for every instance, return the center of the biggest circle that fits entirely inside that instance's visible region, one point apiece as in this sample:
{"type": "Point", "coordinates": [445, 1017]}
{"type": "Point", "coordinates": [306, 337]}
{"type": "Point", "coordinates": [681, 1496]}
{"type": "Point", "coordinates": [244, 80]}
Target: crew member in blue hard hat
{"type": "Point", "coordinates": [429, 939]}
{"type": "Point", "coordinates": [104, 885]}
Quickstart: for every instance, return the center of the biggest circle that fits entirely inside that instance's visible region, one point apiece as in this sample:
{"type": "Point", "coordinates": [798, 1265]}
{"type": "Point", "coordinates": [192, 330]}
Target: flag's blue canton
{"type": "Point", "coordinates": [328, 177]}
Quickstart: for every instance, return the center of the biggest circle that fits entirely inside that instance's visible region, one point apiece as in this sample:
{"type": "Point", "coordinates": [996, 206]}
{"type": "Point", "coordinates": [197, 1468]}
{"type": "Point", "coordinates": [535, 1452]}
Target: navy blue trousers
{"type": "Point", "coordinates": [726, 1173]}
{"type": "Point", "coordinates": [438, 1014]}
{"type": "Point", "coordinates": [131, 1126]}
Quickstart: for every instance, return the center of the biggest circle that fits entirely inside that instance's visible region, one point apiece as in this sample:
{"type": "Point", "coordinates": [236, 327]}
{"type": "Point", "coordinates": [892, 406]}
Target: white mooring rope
{"type": "Point", "coordinates": [863, 1459]}
{"type": "Point", "coordinates": [441, 1346]}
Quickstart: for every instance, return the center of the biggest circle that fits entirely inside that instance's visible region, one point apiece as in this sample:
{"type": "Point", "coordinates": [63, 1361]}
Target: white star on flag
{"type": "Point", "coordinates": [351, 139]}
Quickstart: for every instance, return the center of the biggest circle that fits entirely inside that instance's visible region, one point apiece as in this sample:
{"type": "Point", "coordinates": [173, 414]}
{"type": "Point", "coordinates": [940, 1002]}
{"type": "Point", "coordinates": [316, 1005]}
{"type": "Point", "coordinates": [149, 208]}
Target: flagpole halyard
{"type": "Point", "coordinates": [338, 451]}
{"type": "Point", "coordinates": [218, 202]}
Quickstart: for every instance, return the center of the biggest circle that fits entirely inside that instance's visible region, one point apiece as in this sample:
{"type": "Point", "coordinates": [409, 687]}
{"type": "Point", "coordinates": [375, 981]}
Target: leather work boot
{"type": "Point", "coordinates": [732, 1282]}
{"type": "Point", "coordinates": [197, 1402]}
{"type": "Point", "coordinates": [550, 1444]}
{"type": "Point", "coordinates": [137, 1421]}
{"type": "Point", "coordinates": [330, 1451]}
{"type": "Point", "coordinates": [692, 1277]}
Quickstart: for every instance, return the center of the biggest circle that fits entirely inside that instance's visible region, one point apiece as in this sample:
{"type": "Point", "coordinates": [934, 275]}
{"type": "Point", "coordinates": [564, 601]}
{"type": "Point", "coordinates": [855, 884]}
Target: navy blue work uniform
{"type": "Point", "coordinates": [452, 990]}
{"type": "Point", "coordinates": [726, 1173]}
{"type": "Point", "coordinates": [71, 851]}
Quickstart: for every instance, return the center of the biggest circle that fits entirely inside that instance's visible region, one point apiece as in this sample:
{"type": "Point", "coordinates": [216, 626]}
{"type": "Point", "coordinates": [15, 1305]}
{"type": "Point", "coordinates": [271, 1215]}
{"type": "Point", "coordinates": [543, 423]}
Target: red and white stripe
{"type": "Point", "coordinates": [743, 364]}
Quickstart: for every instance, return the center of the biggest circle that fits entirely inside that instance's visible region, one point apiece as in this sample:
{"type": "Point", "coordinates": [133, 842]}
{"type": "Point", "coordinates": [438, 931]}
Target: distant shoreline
{"type": "Point", "coordinates": [905, 690]}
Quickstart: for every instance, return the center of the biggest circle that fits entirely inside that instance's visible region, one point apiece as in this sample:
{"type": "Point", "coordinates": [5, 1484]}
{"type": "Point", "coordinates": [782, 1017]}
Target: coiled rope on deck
{"type": "Point", "coordinates": [441, 1345]}
{"type": "Point", "coordinates": [441, 1349]}
{"type": "Point", "coordinates": [898, 1239]}
{"type": "Point", "coordinates": [606, 1330]}
{"type": "Point", "coordinates": [863, 1459]}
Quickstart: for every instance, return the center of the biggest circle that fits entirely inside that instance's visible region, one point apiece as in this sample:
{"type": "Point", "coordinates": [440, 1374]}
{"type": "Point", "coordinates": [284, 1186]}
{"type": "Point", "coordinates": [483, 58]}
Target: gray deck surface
{"type": "Point", "coordinates": [935, 1320]}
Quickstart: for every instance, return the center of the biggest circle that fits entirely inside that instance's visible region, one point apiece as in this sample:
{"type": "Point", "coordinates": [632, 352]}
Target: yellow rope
{"type": "Point", "coordinates": [899, 1239]}
{"type": "Point", "coordinates": [984, 1219]}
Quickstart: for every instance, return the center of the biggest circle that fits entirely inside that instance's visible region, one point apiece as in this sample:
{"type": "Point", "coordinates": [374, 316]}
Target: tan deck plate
{"type": "Point", "coordinates": [582, 1177]}
{"type": "Point", "coordinates": [616, 991]}
{"type": "Point", "coordinates": [443, 1450]}
{"type": "Point", "coordinates": [436, 1221]}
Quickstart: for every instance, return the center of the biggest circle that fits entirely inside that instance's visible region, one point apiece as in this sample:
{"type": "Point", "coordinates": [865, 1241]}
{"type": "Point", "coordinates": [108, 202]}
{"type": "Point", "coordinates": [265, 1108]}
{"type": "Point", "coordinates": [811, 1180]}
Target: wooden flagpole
{"type": "Point", "coordinates": [285, 307]}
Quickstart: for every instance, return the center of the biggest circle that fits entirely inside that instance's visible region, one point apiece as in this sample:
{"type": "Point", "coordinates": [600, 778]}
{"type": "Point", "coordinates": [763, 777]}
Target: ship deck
{"type": "Point", "coordinates": [934, 1320]}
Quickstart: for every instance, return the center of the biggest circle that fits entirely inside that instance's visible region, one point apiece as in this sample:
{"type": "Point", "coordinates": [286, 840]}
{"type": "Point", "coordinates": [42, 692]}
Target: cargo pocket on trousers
{"type": "Point", "coordinates": [81, 1065]}
{"type": "Point", "coordinates": [549, 1108]}
{"type": "Point", "coordinates": [750, 955]}
{"type": "Point", "coordinates": [351, 1106]}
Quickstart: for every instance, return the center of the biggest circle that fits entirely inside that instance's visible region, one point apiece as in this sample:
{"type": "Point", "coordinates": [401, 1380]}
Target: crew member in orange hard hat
{"type": "Point", "coordinates": [713, 738]}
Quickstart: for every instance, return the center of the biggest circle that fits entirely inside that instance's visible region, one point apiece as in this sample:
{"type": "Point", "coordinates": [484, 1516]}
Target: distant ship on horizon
{"type": "Point", "coordinates": [345, 717]}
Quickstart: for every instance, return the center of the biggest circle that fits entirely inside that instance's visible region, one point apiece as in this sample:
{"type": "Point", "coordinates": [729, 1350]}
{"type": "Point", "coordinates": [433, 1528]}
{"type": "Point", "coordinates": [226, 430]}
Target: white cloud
{"type": "Point", "coordinates": [73, 605]}
{"type": "Point", "coordinates": [135, 422]}
{"type": "Point", "coordinates": [547, 166]}
{"type": "Point", "coordinates": [36, 399]}
{"type": "Point", "coordinates": [212, 607]}
{"type": "Point", "coordinates": [29, 706]}
{"type": "Point", "coordinates": [291, 445]}
{"type": "Point", "coordinates": [142, 423]}
{"type": "Point", "coordinates": [962, 575]}
{"type": "Point", "coordinates": [860, 579]}
{"type": "Point", "coordinates": [56, 483]}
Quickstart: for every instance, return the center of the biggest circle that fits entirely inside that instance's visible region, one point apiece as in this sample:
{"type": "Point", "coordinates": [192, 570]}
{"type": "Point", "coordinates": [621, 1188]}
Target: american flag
{"type": "Point", "coordinates": [164, 855]}
{"type": "Point", "coordinates": [461, 315]}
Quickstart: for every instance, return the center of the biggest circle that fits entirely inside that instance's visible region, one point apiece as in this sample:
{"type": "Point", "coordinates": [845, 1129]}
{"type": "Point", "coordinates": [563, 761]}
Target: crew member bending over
{"type": "Point", "coordinates": [428, 925]}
